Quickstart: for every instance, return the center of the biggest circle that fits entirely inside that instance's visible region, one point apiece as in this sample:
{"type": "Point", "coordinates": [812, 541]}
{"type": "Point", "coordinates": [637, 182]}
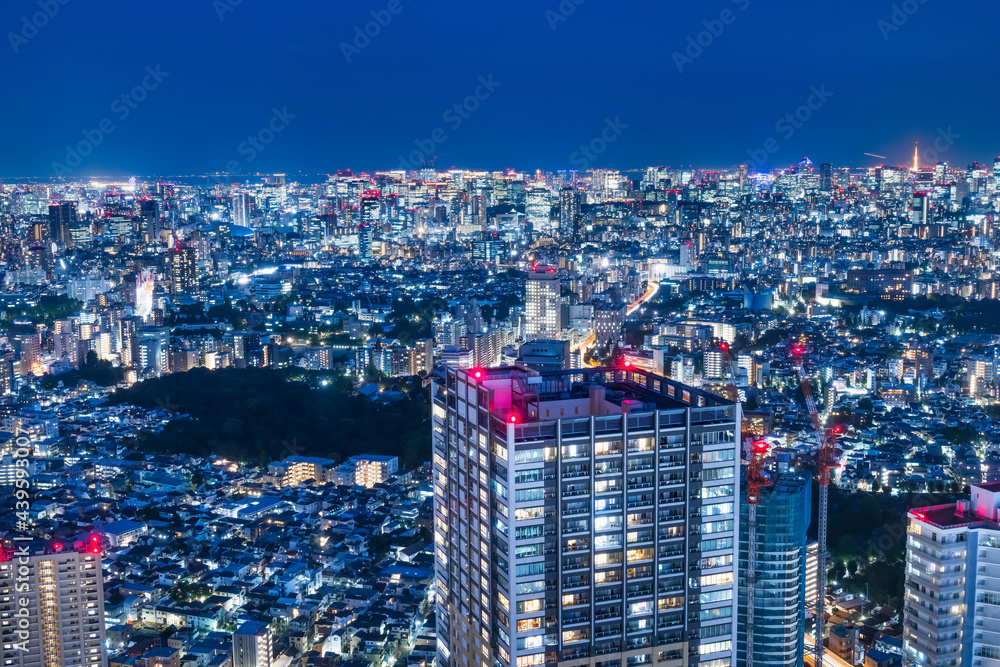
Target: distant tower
{"type": "Point", "coordinates": [542, 304]}
{"type": "Point", "coordinates": [916, 158]}
{"type": "Point", "coordinates": [149, 225]}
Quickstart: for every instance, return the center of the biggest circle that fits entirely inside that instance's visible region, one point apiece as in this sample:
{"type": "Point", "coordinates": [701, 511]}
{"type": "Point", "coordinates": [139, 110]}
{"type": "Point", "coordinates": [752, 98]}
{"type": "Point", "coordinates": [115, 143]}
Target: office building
{"type": "Point", "coordinates": [609, 318]}
{"type": "Point", "coordinates": [570, 200]}
{"type": "Point", "coordinates": [60, 589]}
{"type": "Point", "coordinates": [542, 304]}
{"type": "Point", "coordinates": [889, 284]}
{"type": "Point", "coordinates": [154, 347]}
{"type": "Point", "coordinates": [538, 209]}
{"type": "Point", "coordinates": [183, 270]}
{"type": "Point", "coordinates": [63, 217]}
{"type": "Point", "coordinates": [779, 599]}
{"type": "Point", "coordinates": [149, 221]}
{"type": "Point", "coordinates": [953, 582]}
{"type": "Point", "coordinates": [253, 645]}
{"type": "Point", "coordinates": [583, 518]}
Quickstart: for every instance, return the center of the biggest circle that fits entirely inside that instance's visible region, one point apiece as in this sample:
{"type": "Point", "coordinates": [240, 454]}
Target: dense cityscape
{"type": "Point", "coordinates": [276, 420]}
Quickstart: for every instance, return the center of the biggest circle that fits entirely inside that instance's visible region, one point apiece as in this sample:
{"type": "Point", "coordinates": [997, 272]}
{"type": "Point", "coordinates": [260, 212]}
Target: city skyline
{"type": "Point", "coordinates": [697, 83]}
{"type": "Point", "coordinates": [543, 333]}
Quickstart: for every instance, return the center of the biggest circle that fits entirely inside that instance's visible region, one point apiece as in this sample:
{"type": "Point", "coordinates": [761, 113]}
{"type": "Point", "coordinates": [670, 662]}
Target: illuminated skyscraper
{"type": "Point", "coordinates": [183, 270]}
{"type": "Point", "coordinates": [569, 210]}
{"type": "Point", "coordinates": [583, 519]}
{"type": "Point", "coordinates": [149, 221]}
{"type": "Point", "coordinates": [253, 645]}
{"type": "Point", "coordinates": [63, 218]}
{"type": "Point", "coordinates": [60, 589]}
{"type": "Point", "coordinates": [538, 208]}
{"type": "Point", "coordinates": [826, 177]}
{"type": "Point", "coordinates": [780, 598]}
{"type": "Point", "coordinates": [951, 592]}
{"type": "Point", "coordinates": [542, 304]}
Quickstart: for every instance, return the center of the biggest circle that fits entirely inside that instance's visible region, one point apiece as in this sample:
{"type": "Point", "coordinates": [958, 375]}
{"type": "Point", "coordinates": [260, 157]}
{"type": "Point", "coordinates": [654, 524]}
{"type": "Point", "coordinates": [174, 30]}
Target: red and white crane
{"type": "Point", "coordinates": [756, 480]}
{"type": "Point", "coordinates": [826, 461]}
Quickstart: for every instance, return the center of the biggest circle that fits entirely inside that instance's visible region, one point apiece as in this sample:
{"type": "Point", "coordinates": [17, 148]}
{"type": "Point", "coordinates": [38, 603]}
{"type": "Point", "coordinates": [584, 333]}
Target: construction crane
{"type": "Point", "coordinates": [755, 451]}
{"type": "Point", "coordinates": [826, 461]}
{"type": "Point", "coordinates": [756, 480]}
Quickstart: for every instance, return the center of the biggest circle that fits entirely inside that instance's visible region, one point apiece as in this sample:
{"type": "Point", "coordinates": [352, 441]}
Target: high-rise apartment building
{"type": "Point", "coordinates": [542, 304]}
{"type": "Point", "coordinates": [253, 645]}
{"type": "Point", "coordinates": [780, 597]}
{"type": "Point", "coordinates": [183, 270]}
{"type": "Point", "coordinates": [63, 217]}
{"type": "Point", "coordinates": [52, 604]}
{"type": "Point", "coordinates": [952, 590]}
{"type": "Point", "coordinates": [570, 200]}
{"type": "Point", "coordinates": [538, 208]}
{"type": "Point", "coordinates": [149, 221]}
{"type": "Point", "coordinates": [583, 518]}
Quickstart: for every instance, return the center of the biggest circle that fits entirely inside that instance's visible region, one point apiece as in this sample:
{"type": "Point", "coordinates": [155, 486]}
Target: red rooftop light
{"type": "Point", "coordinates": [513, 419]}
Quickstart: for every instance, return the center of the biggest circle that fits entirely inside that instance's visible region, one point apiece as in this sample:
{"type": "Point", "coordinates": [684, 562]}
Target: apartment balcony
{"type": "Point", "coordinates": [575, 618]}
{"type": "Point", "coordinates": [613, 595]}
{"type": "Point", "coordinates": [640, 500]}
{"type": "Point", "coordinates": [608, 613]}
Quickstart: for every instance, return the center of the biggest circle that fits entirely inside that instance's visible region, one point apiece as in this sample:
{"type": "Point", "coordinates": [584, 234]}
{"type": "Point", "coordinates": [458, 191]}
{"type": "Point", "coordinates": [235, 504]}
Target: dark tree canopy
{"type": "Point", "coordinates": [259, 415]}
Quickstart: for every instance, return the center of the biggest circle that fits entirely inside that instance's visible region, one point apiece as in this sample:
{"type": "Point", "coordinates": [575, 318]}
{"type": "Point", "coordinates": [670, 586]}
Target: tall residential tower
{"type": "Point", "coordinates": [542, 304]}
{"type": "Point", "coordinates": [52, 604]}
{"type": "Point", "coordinates": [583, 518]}
{"type": "Point", "coordinates": [952, 592]}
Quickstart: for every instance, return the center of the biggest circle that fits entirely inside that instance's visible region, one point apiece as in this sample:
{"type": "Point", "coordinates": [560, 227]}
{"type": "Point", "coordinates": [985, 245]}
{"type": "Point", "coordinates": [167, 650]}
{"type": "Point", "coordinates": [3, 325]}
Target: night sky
{"type": "Point", "coordinates": [560, 79]}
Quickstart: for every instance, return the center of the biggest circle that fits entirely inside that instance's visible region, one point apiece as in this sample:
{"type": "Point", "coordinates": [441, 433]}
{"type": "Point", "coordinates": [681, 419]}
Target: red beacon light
{"type": "Point", "coordinates": [724, 346]}
{"type": "Point", "coordinates": [513, 419]}
{"type": "Point", "coordinates": [760, 447]}
{"type": "Point", "coordinates": [478, 374]}
{"type": "Point", "coordinates": [797, 349]}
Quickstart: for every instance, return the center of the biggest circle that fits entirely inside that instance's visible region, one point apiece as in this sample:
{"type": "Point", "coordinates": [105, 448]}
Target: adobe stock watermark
{"type": "Point", "coordinates": [696, 44]}
{"type": "Point", "coordinates": [898, 17]}
{"type": "Point", "coordinates": [454, 116]}
{"type": "Point", "coordinates": [790, 123]}
{"type": "Point", "coordinates": [562, 13]}
{"type": "Point", "coordinates": [587, 153]}
{"type": "Point", "coordinates": [255, 143]}
{"type": "Point", "coordinates": [223, 7]}
{"type": "Point", "coordinates": [363, 35]}
{"type": "Point", "coordinates": [943, 142]}
{"type": "Point", "coordinates": [22, 509]}
{"type": "Point", "coordinates": [30, 25]}
{"type": "Point", "coordinates": [121, 108]}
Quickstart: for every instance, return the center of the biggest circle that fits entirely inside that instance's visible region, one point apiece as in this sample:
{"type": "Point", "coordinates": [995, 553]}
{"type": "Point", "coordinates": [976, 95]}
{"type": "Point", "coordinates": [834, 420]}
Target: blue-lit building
{"type": "Point", "coordinates": [779, 608]}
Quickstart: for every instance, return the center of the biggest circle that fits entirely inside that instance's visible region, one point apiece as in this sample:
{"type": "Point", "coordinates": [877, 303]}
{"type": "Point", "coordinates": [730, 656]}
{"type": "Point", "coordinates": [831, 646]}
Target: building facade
{"type": "Point", "coordinates": [583, 518]}
{"type": "Point", "coordinates": [253, 645]}
{"type": "Point", "coordinates": [951, 607]}
{"type": "Point", "coordinates": [780, 597]}
{"type": "Point", "coordinates": [542, 304]}
{"type": "Point", "coordinates": [52, 604]}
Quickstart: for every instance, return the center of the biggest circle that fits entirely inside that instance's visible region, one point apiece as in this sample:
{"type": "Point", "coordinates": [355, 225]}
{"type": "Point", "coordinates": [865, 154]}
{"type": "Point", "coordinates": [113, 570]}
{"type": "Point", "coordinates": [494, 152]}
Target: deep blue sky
{"type": "Point", "coordinates": [606, 60]}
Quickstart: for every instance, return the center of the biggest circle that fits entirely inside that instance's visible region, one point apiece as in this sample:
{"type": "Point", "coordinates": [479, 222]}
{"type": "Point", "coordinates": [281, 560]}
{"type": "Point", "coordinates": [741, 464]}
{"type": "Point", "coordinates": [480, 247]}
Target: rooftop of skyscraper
{"type": "Point", "coordinates": [521, 395]}
{"type": "Point", "coordinates": [982, 510]}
